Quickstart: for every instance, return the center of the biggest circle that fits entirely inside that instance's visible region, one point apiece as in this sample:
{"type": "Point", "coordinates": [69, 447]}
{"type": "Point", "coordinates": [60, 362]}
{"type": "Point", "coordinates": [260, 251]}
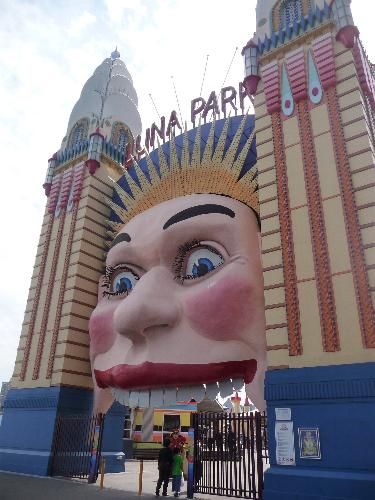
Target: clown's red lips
{"type": "Point", "coordinates": [155, 375]}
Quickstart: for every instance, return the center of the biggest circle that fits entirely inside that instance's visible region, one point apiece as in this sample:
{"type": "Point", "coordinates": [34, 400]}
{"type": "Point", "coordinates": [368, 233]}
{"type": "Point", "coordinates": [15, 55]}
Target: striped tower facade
{"type": "Point", "coordinates": [314, 91]}
{"type": "Point", "coordinates": [52, 374]}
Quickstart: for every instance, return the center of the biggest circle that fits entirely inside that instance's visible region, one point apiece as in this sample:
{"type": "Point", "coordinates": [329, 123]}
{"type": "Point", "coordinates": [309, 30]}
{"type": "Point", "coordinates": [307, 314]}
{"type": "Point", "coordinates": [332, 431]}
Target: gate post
{"type": "Point", "coordinates": [190, 456]}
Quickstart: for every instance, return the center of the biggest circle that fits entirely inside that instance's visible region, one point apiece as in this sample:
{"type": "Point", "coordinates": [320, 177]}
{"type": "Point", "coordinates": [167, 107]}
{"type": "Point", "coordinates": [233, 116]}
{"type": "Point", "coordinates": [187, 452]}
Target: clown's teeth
{"type": "Point", "coordinates": [185, 393]}
{"type": "Point", "coordinates": [238, 383]}
{"type": "Point", "coordinates": [134, 399]}
{"type": "Point", "coordinates": [121, 395]}
{"type": "Point", "coordinates": [156, 397]}
{"type": "Point", "coordinates": [212, 390]}
{"type": "Point", "coordinates": [226, 388]}
{"type": "Point", "coordinates": [199, 392]}
{"type": "Point", "coordinates": [170, 396]}
{"type": "Point", "coordinates": [144, 399]}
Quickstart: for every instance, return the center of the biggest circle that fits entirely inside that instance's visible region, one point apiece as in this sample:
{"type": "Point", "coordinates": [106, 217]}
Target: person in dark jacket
{"type": "Point", "coordinates": [165, 466]}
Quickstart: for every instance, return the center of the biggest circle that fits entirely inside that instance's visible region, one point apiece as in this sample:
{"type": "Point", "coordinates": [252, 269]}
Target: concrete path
{"type": "Point", "coordinates": [116, 486]}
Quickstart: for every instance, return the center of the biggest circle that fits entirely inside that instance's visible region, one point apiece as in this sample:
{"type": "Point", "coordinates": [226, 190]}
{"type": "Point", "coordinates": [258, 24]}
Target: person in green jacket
{"type": "Point", "coordinates": [176, 471]}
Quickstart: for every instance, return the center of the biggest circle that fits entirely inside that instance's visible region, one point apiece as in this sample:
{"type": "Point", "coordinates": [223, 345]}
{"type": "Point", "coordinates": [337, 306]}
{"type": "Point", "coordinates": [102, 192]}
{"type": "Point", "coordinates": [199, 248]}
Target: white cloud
{"type": "Point", "coordinates": [78, 24]}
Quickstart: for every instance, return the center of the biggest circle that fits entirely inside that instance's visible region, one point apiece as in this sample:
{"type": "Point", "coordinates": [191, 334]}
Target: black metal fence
{"type": "Point", "coordinates": [77, 446]}
{"type": "Point", "coordinates": [230, 451]}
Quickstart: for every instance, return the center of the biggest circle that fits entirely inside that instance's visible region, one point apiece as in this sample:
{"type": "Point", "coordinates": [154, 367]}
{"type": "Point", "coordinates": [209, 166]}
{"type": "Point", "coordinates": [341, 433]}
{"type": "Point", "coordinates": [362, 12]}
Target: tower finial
{"type": "Point", "coordinates": [115, 54]}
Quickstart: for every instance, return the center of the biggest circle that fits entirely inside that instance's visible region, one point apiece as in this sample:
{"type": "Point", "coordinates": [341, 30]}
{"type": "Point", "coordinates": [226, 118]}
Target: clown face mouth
{"type": "Point", "coordinates": [151, 384]}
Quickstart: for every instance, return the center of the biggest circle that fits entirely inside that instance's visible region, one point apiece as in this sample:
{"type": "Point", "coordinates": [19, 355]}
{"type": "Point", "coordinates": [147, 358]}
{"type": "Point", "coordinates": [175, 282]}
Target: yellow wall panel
{"type": "Point", "coordinates": [363, 178]}
{"type": "Point", "coordinates": [274, 296]}
{"type": "Point", "coordinates": [370, 256]}
{"type": "Point", "coordinates": [356, 128]}
{"type": "Point", "coordinates": [336, 235]}
{"type": "Point", "coordinates": [302, 244]}
{"type": "Point", "coordinates": [272, 258]}
{"type": "Point", "coordinates": [275, 316]}
{"type": "Point", "coordinates": [296, 181]}
{"type": "Point", "coordinates": [366, 215]}
{"type": "Point", "coordinates": [271, 241]}
{"type": "Point", "coordinates": [320, 119]}
{"type": "Point", "coordinates": [364, 196]}
{"type": "Point", "coordinates": [347, 85]}
{"type": "Point", "coordinates": [356, 145]}
{"type": "Point", "coordinates": [264, 135]}
{"type": "Point", "coordinates": [269, 224]}
{"type": "Point", "coordinates": [291, 131]}
{"type": "Point", "coordinates": [346, 71]}
{"type": "Point", "coordinates": [277, 336]}
{"type": "Point", "coordinates": [361, 160]}
{"type": "Point", "coordinates": [351, 114]}
{"type": "Point", "coordinates": [368, 235]}
{"type": "Point", "coordinates": [350, 99]}
{"type": "Point", "coordinates": [329, 184]}
{"type": "Point", "coordinates": [267, 193]}
{"type": "Point", "coordinates": [261, 123]}
{"type": "Point", "coordinates": [264, 149]}
{"type": "Point", "coordinates": [347, 315]}
{"type": "Point", "coordinates": [342, 57]}
{"type": "Point", "coordinates": [278, 358]}
{"type": "Point", "coordinates": [267, 162]}
{"type": "Point", "coordinates": [310, 320]}
{"type": "Point", "coordinates": [273, 277]}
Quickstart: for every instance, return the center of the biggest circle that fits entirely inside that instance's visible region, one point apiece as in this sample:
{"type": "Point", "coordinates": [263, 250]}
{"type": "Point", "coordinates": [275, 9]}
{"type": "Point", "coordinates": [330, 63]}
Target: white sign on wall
{"type": "Point", "coordinates": [285, 454]}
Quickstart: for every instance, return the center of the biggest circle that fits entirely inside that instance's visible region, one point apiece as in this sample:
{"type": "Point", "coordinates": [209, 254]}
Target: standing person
{"type": "Point", "coordinates": [165, 461]}
{"type": "Point", "coordinates": [177, 471]}
{"type": "Point", "coordinates": [177, 439]}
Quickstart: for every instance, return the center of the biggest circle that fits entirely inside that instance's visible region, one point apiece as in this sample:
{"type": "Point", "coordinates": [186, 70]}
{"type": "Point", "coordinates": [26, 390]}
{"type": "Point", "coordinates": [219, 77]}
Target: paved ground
{"type": "Point", "coordinates": [116, 486]}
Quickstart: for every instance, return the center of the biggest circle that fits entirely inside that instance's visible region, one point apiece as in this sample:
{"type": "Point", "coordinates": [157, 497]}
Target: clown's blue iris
{"type": "Point", "coordinates": [124, 282]}
{"type": "Point", "coordinates": [202, 261]}
{"type": "Point", "coordinates": [203, 267]}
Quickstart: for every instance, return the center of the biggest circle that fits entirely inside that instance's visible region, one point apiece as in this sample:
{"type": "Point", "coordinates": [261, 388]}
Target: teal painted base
{"type": "Point", "coordinates": [340, 402]}
{"type": "Point", "coordinates": [28, 423]}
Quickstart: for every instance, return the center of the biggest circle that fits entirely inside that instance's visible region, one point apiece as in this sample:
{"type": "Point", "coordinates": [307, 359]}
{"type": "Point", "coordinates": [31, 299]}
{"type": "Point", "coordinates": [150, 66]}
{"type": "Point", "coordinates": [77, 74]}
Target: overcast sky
{"type": "Point", "coordinates": [49, 48]}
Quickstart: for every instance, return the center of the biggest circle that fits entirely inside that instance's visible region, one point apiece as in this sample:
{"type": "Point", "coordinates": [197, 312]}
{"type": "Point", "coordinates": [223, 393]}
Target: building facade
{"type": "Point", "coordinates": [52, 374]}
{"type": "Point", "coordinates": [314, 106]}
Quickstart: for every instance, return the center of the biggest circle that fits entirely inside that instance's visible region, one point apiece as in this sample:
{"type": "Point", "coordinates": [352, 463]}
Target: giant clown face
{"type": "Point", "coordinates": [181, 305]}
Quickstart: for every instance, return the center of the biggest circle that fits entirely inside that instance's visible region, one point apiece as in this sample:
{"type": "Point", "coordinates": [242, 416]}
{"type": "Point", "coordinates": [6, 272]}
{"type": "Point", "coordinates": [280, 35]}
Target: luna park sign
{"type": "Point", "coordinates": [228, 100]}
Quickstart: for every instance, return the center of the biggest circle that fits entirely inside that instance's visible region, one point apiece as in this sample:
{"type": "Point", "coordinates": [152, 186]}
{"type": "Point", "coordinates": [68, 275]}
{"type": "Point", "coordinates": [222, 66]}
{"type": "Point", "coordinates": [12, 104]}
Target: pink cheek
{"type": "Point", "coordinates": [102, 334]}
{"type": "Point", "coordinates": [223, 311]}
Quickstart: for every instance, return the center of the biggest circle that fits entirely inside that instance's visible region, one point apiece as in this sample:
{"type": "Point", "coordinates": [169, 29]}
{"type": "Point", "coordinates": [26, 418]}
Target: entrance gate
{"type": "Point", "coordinates": [77, 446]}
{"type": "Point", "coordinates": [230, 452]}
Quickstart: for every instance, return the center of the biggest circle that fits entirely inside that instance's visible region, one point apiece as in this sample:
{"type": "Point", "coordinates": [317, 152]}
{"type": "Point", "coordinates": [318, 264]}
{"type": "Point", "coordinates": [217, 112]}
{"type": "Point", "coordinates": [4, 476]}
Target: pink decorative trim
{"type": "Point", "coordinates": [38, 289]}
{"type": "Point", "coordinates": [271, 81]}
{"type": "Point", "coordinates": [56, 326]}
{"type": "Point", "coordinates": [295, 63]}
{"type": "Point", "coordinates": [325, 60]}
{"type": "Point", "coordinates": [287, 245]}
{"type": "Point", "coordinates": [251, 84]}
{"type": "Point", "coordinates": [92, 165]}
{"type": "Point", "coordinates": [326, 297]}
{"type": "Point", "coordinates": [250, 44]}
{"type": "Point", "coordinates": [54, 193]}
{"type": "Point", "coordinates": [50, 288]}
{"type": "Point", "coordinates": [366, 311]}
{"type": "Point", "coordinates": [347, 36]}
{"type": "Point", "coordinates": [366, 79]}
{"type": "Point", "coordinates": [65, 188]}
{"type": "Point", "coordinates": [79, 174]}
{"type": "Point", "coordinates": [47, 188]}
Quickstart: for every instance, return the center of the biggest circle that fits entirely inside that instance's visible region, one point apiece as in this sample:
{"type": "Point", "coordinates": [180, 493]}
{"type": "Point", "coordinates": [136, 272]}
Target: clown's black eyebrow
{"type": "Point", "coordinates": [120, 238]}
{"type": "Point", "coordinates": [190, 212]}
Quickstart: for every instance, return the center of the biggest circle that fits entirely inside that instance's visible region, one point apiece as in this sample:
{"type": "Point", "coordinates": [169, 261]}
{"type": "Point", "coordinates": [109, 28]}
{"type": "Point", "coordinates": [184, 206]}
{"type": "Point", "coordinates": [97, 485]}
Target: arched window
{"type": "Point", "coordinates": [290, 11]}
{"type": "Point", "coordinates": [78, 136]}
{"type": "Point", "coordinates": [122, 140]}
{"type": "Point", "coordinates": [78, 133]}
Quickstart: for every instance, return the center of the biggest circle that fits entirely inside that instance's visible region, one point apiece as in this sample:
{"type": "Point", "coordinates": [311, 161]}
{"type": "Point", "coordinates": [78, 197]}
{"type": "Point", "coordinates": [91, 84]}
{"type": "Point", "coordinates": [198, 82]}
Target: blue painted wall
{"type": "Point", "coordinates": [340, 401]}
{"type": "Point", "coordinates": [27, 429]}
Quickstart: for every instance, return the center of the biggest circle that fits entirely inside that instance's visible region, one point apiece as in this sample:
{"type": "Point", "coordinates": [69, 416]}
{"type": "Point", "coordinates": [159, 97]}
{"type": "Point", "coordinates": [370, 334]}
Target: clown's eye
{"type": "Point", "coordinates": [120, 281]}
{"type": "Point", "coordinates": [202, 262]}
{"type": "Point", "coordinates": [195, 260]}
